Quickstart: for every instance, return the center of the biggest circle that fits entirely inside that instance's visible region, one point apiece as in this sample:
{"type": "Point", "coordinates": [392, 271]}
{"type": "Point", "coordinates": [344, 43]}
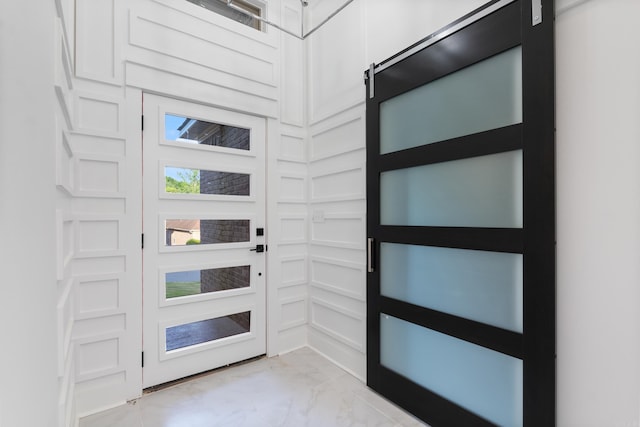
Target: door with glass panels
{"type": "Point", "coordinates": [461, 282]}
{"type": "Point", "coordinates": [204, 238]}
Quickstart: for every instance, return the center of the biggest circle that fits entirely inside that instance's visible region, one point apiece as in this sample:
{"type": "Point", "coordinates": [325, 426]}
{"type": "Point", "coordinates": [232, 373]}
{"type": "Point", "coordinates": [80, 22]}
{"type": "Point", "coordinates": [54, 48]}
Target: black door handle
{"type": "Point", "coordinates": [258, 248]}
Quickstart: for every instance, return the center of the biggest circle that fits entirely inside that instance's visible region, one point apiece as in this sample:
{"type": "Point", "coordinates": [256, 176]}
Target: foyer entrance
{"type": "Point", "coordinates": [204, 238]}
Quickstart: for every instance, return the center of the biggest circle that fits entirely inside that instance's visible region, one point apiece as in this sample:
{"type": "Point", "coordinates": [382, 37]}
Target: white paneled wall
{"type": "Point", "coordinates": [176, 49]}
{"type": "Point", "coordinates": [337, 55]}
{"type": "Point", "coordinates": [66, 174]}
{"type": "Point", "coordinates": [105, 219]}
{"type": "Point", "coordinates": [288, 193]}
{"type": "Point", "coordinates": [337, 208]}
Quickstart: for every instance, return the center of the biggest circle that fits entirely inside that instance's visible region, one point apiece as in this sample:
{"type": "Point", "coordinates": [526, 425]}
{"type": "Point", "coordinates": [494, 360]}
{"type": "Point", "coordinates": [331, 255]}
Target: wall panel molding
{"type": "Point", "coordinates": [293, 313]}
{"type": "Point", "coordinates": [99, 115]}
{"type": "Point", "coordinates": [66, 391]}
{"type": "Point", "coordinates": [98, 357]}
{"type": "Point", "coordinates": [338, 276]}
{"type": "Point", "coordinates": [293, 229]}
{"type": "Point", "coordinates": [98, 45]}
{"type": "Point", "coordinates": [63, 74]}
{"type": "Point", "coordinates": [343, 230]}
{"type": "Point", "coordinates": [338, 185]}
{"type": "Point", "coordinates": [98, 236]}
{"type": "Point", "coordinates": [98, 145]}
{"type": "Point", "coordinates": [292, 78]}
{"type": "Point", "coordinates": [65, 162]}
{"type": "Point", "coordinates": [293, 188]}
{"type": "Point", "coordinates": [99, 176]}
{"type": "Point", "coordinates": [292, 148]}
{"type": "Point", "coordinates": [338, 134]}
{"type": "Point", "coordinates": [340, 323]}
{"type": "Point", "coordinates": [335, 75]}
{"type": "Point", "coordinates": [178, 35]}
{"type": "Point", "coordinates": [65, 320]}
{"type": "Point", "coordinates": [170, 84]}
{"type": "Point", "coordinates": [66, 11]}
{"type": "Point", "coordinates": [98, 295]}
{"type": "Point", "coordinates": [293, 271]}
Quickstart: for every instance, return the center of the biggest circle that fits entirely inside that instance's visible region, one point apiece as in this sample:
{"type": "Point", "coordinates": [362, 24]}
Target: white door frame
{"type": "Point", "coordinates": [132, 293]}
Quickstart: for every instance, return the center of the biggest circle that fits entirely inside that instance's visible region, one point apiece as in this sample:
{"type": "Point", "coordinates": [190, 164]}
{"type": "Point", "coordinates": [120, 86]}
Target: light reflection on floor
{"type": "Point", "coordinates": [297, 389]}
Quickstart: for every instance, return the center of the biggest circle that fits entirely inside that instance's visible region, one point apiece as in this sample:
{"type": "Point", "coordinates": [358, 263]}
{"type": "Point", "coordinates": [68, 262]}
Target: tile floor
{"type": "Point", "coordinates": [297, 389]}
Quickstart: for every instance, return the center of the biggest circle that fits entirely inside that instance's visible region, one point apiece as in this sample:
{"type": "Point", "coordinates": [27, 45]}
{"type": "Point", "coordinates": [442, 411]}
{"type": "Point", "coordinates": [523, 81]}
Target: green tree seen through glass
{"type": "Point", "coordinates": [186, 181]}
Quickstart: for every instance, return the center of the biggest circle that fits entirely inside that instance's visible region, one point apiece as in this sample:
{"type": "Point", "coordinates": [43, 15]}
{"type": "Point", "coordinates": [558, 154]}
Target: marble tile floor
{"type": "Point", "coordinates": [298, 389]}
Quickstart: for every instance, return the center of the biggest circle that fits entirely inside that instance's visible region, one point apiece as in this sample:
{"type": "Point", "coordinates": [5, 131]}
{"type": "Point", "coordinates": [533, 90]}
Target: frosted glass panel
{"type": "Point", "coordinates": [484, 191]}
{"type": "Point", "coordinates": [477, 285]}
{"type": "Point", "coordinates": [481, 97]}
{"type": "Point", "coordinates": [483, 381]}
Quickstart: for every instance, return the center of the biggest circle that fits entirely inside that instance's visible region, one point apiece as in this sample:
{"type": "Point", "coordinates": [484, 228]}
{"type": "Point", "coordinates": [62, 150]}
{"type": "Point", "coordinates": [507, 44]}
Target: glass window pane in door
{"type": "Point", "coordinates": [202, 331]}
{"type": "Point", "coordinates": [484, 191]}
{"type": "Point", "coordinates": [477, 285]}
{"type": "Point", "coordinates": [182, 232]}
{"type": "Point", "coordinates": [483, 96]}
{"type": "Point", "coordinates": [201, 181]}
{"type": "Point", "coordinates": [191, 131]}
{"type": "Point", "coordinates": [483, 381]}
{"type": "Point", "coordinates": [196, 282]}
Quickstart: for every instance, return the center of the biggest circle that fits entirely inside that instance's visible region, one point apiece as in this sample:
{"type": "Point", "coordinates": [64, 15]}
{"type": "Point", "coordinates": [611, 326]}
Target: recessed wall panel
{"type": "Point", "coordinates": [292, 80]}
{"type": "Point", "coordinates": [101, 176]}
{"type": "Point", "coordinates": [293, 189]}
{"type": "Point", "coordinates": [293, 271]}
{"type": "Point", "coordinates": [96, 39]}
{"type": "Point", "coordinates": [336, 80]}
{"type": "Point", "coordinates": [98, 265]}
{"type": "Point", "coordinates": [67, 242]}
{"type": "Point", "coordinates": [292, 148]}
{"type": "Point", "coordinates": [86, 328]}
{"type": "Point", "coordinates": [338, 276]}
{"type": "Point", "coordinates": [98, 295]}
{"type": "Point", "coordinates": [293, 312]}
{"type": "Point", "coordinates": [99, 145]}
{"type": "Point", "coordinates": [164, 34]}
{"type": "Point", "coordinates": [339, 185]}
{"type": "Point", "coordinates": [293, 230]}
{"type": "Point", "coordinates": [98, 235]}
{"type": "Point", "coordinates": [99, 116]}
{"type": "Point", "coordinates": [94, 357]}
{"type": "Point", "coordinates": [339, 231]}
{"type": "Point", "coordinates": [340, 323]}
{"type": "Point", "coordinates": [339, 139]}
{"type": "Point", "coordinates": [65, 168]}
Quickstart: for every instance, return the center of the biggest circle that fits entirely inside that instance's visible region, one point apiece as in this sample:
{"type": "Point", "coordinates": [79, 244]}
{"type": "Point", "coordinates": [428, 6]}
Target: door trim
{"type": "Point", "coordinates": [208, 307]}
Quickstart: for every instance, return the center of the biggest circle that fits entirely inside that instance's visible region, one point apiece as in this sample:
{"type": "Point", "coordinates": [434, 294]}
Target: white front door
{"type": "Point", "coordinates": [203, 218]}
